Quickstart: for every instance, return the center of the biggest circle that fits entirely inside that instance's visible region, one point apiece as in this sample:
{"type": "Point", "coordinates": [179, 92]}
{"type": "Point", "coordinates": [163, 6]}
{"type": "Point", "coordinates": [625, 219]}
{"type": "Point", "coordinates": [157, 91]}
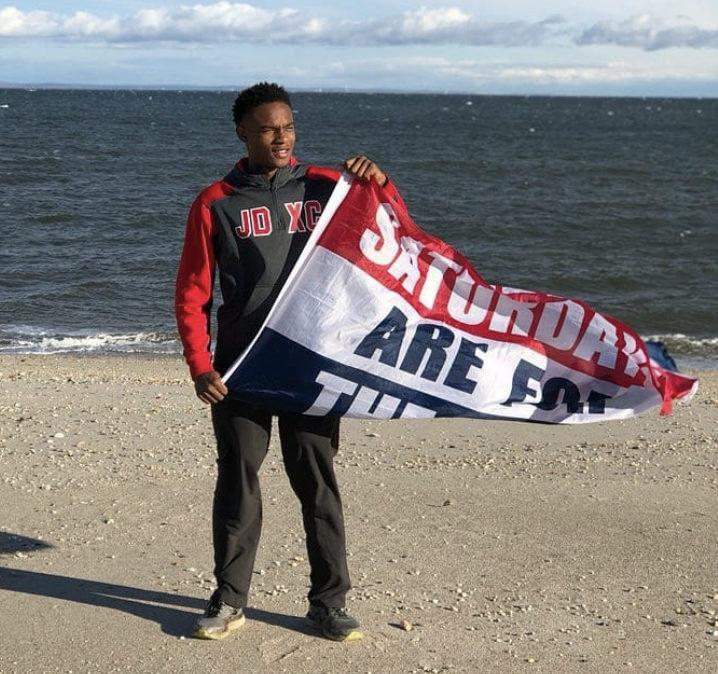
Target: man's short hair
{"type": "Point", "coordinates": [256, 95]}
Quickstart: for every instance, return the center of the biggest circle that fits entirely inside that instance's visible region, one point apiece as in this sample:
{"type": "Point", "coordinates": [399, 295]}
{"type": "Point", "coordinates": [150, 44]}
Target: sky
{"type": "Point", "coordinates": [555, 47]}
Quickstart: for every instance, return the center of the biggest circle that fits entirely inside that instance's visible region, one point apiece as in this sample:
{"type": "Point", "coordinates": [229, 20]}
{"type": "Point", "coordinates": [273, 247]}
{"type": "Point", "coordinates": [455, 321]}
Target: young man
{"type": "Point", "coordinates": [251, 226]}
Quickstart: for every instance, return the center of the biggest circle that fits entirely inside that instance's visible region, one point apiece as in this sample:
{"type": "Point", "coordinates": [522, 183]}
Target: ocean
{"type": "Point", "coordinates": [610, 200]}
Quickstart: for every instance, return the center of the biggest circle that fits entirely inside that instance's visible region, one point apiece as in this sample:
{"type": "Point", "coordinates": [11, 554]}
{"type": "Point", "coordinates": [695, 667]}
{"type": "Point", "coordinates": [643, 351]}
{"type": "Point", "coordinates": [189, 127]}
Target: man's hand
{"type": "Point", "coordinates": [365, 169]}
{"type": "Point", "coordinates": [210, 388]}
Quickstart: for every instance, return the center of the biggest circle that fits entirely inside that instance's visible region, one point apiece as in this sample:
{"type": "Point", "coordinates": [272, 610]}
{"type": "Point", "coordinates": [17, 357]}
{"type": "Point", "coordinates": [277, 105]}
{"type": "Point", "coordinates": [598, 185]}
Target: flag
{"type": "Point", "coordinates": [378, 319]}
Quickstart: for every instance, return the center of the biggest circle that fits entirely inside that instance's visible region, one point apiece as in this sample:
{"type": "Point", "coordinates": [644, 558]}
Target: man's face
{"type": "Point", "coordinates": [268, 132]}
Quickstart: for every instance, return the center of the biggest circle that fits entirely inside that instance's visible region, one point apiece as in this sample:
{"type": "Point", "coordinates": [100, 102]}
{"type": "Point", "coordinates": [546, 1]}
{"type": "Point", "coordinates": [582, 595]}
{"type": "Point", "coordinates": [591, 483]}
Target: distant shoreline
{"type": "Point", "coordinates": [227, 88]}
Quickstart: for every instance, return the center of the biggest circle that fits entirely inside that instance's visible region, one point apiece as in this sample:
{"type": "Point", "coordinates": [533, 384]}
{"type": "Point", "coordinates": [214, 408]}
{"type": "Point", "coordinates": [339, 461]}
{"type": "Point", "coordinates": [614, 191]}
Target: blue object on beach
{"type": "Point", "coordinates": [658, 352]}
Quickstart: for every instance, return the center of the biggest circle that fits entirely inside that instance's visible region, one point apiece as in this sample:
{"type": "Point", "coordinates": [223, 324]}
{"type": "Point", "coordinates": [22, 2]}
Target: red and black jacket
{"type": "Point", "coordinates": [252, 229]}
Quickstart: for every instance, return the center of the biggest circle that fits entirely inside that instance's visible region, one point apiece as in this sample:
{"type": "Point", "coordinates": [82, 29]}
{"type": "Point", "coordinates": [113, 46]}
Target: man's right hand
{"type": "Point", "coordinates": [210, 388]}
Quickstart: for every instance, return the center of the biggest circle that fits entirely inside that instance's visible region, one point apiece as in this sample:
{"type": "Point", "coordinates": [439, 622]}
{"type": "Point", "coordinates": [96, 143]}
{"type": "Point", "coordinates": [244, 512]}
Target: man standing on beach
{"type": "Point", "coordinates": [252, 226]}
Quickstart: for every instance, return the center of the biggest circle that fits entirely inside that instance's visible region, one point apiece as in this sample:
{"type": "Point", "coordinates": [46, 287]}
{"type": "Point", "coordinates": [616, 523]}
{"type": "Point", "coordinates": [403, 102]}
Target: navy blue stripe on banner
{"type": "Point", "coordinates": [283, 376]}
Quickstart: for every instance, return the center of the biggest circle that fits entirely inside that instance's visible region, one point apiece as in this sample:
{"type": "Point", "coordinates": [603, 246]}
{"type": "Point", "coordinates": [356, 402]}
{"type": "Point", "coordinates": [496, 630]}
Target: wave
{"type": "Point", "coordinates": [689, 351]}
{"type": "Point", "coordinates": [28, 340]}
{"type": "Point", "coordinates": [686, 345]}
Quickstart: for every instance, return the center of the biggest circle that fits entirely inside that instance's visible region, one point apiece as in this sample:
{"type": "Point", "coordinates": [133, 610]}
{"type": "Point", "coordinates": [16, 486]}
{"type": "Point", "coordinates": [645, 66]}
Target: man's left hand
{"type": "Point", "coordinates": [365, 169]}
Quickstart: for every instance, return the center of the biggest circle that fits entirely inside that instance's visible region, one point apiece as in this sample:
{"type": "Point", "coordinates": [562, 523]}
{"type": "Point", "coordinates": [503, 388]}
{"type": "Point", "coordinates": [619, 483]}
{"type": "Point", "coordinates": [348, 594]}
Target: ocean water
{"type": "Point", "coordinates": [614, 201]}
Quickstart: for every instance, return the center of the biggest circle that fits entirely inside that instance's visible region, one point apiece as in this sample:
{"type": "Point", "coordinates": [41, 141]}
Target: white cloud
{"type": "Point", "coordinates": [84, 24]}
{"type": "Point", "coordinates": [475, 72]}
{"type": "Point", "coordinates": [13, 22]}
{"type": "Point", "coordinates": [197, 23]}
{"type": "Point", "coordinates": [424, 20]}
{"type": "Point", "coordinates": [225, 21]}
{"type": "Point", "coordinates": [610, 73]}
{"type": "Point", "coordinates": [210, 23]}
{"type": "Point", "coordinates": [452, 26]}
{"type": "Point", "coordinates": [649, 33]}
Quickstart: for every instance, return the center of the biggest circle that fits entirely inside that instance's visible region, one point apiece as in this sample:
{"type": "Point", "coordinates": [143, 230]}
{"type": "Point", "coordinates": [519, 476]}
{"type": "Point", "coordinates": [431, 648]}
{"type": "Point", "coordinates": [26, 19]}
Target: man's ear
{"type": "Point", "coordinates": [241, 133]}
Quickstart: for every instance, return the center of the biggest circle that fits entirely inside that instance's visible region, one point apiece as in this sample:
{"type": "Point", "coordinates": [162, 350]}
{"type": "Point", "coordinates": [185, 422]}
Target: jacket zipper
{"type": "Point", "coordinates": [281, 225]}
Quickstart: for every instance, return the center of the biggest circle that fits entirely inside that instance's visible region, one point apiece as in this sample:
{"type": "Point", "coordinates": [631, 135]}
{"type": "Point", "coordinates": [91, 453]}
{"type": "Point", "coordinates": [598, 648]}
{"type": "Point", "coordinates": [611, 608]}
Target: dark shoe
{"type": "Point", "coordinates": [219, 620]}
{"type": "Point", "coordinates": [334, 623]}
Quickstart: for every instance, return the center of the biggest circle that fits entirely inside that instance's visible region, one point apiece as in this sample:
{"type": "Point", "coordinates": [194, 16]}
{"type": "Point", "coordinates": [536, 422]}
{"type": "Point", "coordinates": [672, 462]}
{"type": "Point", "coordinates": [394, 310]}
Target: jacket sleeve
{"type": "Point", "coordinates": [193, 289]}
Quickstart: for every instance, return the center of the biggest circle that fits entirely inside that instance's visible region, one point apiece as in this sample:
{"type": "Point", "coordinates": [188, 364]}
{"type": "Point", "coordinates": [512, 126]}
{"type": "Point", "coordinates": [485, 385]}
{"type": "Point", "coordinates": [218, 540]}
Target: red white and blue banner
{"type": "Point", "coordinates": [380, 320]}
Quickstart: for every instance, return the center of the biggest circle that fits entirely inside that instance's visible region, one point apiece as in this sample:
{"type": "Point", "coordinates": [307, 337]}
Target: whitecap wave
{"type": "Point", "coordinates": [26, 339]}
{"type": "Point", "coordinates": [686, 343]}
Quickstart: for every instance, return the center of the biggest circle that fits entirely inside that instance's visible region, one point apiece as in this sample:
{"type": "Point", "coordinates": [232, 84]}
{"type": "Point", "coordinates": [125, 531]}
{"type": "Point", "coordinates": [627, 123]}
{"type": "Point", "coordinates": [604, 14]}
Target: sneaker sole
{"type": "Point", "coordinates": [354, 635]}
{"type": "Point", "coordinates": [202, 633]}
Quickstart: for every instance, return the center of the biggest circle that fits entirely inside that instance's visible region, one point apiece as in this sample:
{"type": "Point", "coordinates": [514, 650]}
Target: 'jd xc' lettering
{"type": "Point", "coordinates": [257, 221]}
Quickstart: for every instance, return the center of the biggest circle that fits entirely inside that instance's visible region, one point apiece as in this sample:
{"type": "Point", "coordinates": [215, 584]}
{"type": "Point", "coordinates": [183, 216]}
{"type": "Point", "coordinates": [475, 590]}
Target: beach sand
{"type": "Point", "coordinates": [505, 547]}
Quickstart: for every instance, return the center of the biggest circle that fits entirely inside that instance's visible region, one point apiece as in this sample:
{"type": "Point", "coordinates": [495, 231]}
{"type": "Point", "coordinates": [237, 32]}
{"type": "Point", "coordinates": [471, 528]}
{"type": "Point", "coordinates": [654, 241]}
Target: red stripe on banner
{"type": "Point", "coordinates": [428, 278]}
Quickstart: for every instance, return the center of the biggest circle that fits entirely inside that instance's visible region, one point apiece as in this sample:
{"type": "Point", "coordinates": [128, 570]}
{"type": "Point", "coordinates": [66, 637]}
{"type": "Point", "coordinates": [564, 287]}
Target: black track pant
{"type": "Point", "coordinates": [309, 445]}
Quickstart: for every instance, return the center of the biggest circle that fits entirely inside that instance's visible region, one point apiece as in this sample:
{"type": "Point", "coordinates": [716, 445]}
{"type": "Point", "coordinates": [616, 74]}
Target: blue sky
{"type": "Point", "coordinates": [631, 47]}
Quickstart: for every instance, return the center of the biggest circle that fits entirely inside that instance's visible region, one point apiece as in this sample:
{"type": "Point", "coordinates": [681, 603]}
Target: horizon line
{"type": "Point", "coordinates": [69, 86]}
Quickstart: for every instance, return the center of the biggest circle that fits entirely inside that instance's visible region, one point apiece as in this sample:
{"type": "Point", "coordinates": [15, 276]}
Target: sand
{"type": "Point", "coordinates": [505, 547]}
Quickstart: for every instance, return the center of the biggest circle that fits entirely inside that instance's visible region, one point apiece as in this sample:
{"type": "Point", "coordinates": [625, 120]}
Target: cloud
{"type": "Point", "coordinates": [197, 23]}
{"type": "Point", "coordinates": [454, 26]}
{"type": "Point", "coordinates": [36, 23]}
{"type": "Point", "coordinates": [210, 23]}
{"type": "Point", "coordinates": [613, 73]}
{"type": "Point", "coordinates": [472, 71]}
{"type": "Point", "coordinates": [226, 21]}
{"type": "Point", "coordinates": [647, 32]}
